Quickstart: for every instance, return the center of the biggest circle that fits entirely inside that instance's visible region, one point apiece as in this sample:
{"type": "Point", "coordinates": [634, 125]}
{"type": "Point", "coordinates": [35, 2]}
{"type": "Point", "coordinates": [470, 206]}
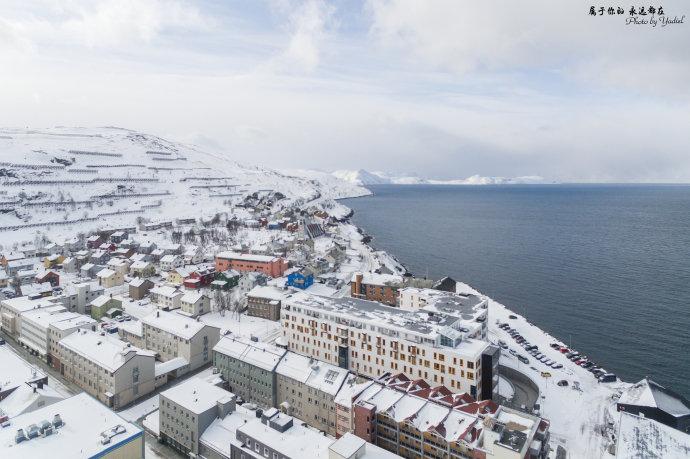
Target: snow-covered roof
{"type": "Point", "coordinates": [140, 264]}
{"type": "Point", "coordinates": [137, 281]}
{"type": "Point", "coordinates": [221, 434]}
{"type": "Point", "coordinates": [266, 291]}
{"type": "Point", "coordinates": [166, 291]}
{"type": "Point", "coordinates": [351, 446]}
{"type": "Point", "coordinates": [168, 258]}
{"type": "Point", "coordinates": [640, 437]}
{"type": "Point", "coordinates": [191, 297]}
{"type": "Point", "coordinates": [650, 394]}
{"type": "Point", "coordinates": [246, 257]}
{"type": "Point", "coordinates": [174, 323]}
{"type": "Point", "coordinates": [105, 272]}
{"type": "Point", "coordinates": [422, 324]}
{"type": "Point", "coordinates": [101, 300]}
{"type": "Point", "coordinates": [104, 350]}
{"type": "Point", "coordinates": [378, 279]}
{"type": "Point", "coordinates": [170, 365]}
{"type": "Point", "coordinates": [24, 396]}
{"type": "Point", "coordinates": [261, 355]}
{"type": "Point", "coordinates": [24, 303]}
{"type": "Point", "coordinates": [85, 420]}
{"type": "Point", "coordinates": [296, 442]}
{"type": "Point", "coordinates": [15, 370]}
{"type": "Point", "coordinates": [318, 375]}
{"type": "Point", "coordinates": [351, 390]}
{"type": "Point", "coordinates": [197, 395]}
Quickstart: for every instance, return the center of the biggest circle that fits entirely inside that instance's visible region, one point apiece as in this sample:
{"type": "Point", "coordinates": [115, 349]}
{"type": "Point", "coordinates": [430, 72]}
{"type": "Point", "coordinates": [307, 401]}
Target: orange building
{"type": "Point", "coordinates": [243, 262]}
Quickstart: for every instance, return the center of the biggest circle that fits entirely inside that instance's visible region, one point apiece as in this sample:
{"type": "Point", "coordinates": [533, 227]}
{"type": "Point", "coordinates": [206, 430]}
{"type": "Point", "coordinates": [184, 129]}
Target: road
{"type": "Point", "coordinates": [526, 391]}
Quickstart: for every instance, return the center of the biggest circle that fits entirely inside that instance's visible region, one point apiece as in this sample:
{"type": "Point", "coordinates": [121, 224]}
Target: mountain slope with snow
{"type": "Point", "coordinates": [61, 181]}
{"type": "Point", "coordinates": [363, 177]}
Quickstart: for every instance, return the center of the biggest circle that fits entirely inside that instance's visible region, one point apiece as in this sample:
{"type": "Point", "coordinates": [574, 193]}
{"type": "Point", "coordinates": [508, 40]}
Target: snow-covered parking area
{"type": "Point", "coordinates": [583, 414]}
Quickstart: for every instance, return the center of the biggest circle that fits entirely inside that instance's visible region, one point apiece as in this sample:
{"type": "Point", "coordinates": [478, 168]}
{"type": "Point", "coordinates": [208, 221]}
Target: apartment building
{"type": "Point", "coordinates": [372, 339]}
{"type": "Point", "coordinates": [376, 287]}
{"type": "Point", "coordinates": [113, 371]}
{"type": "Point", "coordinates": [42, 328]}
{"type": "Point", "coordinates": [195, 303]}
{"type": "Point", "coordinates": [249, 368]}
{"type": "Point", "coordinates": [254, 434]}
{"type": "Point", "coordinates": [166, 297]}
{"type": "Point", "coordinates": [242, 262]}
{"type": "Point", "coordinates": [415, 421]}
{"type": "Point", "coordinates": [77, 297]}
{"type": "Point", "coordinates": [307, 389]}
{"type": "Point", "coordinates": [76, 427]}
{"type": "Point", "coordinates": [264, 301]}
{"type": "Point", "coordinates": [513, 434]}
{"type": "Point", "coordinates": [170, 262]}
{"type": "Point", "coordinates": [188, 409]}
{"type": "Point", "coordinates": [173, 335]}
{"type": "Point", "coordinates": [11, 311]}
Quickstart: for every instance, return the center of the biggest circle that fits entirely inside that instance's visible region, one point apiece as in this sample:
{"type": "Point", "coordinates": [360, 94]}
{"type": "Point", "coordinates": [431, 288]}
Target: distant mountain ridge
{"type": "Point", "coordinates": [363, 177]}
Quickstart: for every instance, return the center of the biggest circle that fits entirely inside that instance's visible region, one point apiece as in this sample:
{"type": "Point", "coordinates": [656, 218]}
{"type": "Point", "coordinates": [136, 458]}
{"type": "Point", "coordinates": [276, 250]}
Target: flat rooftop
{"type": "Point", "coordinates": [84, 418]}
{"type": "Point", "coordinates": [174, 323]}
{"type": "Point", "coordinates": [197, 395]}
{"type": "Point", "coordinates": [246, 257]}
{"type": "Point", "coordinates": [428, 325]}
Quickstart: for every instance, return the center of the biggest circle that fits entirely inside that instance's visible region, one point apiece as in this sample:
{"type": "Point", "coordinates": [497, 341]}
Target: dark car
{"type": "Point", "coordinates": [523, 359]}
{"type": "Point", "coordinates": [555, 346]}
{"type": "Point", "coordinates": [607, 377]}
{"type": "Point", "coordinates": [563, 383]}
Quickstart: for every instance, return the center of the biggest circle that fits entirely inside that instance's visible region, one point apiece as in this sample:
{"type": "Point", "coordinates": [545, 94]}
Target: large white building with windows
{"type": "Point", "coordinates": [171, 335]}
{"type": "Point", "coordinates": [113, 371]}
{"type": "Point", "coordinates": [442, 344]}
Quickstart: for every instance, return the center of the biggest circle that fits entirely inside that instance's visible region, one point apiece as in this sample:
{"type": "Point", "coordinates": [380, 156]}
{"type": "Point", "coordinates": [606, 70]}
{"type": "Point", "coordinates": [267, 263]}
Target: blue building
{"type": "Point", "coordinates": [301, 279]}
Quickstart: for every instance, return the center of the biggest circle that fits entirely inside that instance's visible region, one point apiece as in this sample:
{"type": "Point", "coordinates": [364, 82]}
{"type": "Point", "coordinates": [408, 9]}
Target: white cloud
{"type": "Point", "coordinates": [536, 35]}
{"type": "Point", "coordinates": [435, 92]}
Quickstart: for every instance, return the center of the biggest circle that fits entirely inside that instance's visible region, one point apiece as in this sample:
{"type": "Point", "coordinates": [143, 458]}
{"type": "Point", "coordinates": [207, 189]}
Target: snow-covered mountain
{"type": "Point", "coordinates": [61, 181]}
{"type": "Point", "coordinates": [363, 177]}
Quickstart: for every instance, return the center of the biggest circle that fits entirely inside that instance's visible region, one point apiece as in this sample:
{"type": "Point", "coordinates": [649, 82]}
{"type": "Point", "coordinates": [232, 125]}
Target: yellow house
{"type": "Point", "coordinates": [52, 261]}
{"type": "Point", "coordinates": [178, 275]}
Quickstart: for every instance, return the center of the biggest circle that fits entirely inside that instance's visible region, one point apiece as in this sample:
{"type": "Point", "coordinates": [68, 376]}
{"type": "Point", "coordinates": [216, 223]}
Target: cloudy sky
{"type": "Point", "coordinates": [442, 89]}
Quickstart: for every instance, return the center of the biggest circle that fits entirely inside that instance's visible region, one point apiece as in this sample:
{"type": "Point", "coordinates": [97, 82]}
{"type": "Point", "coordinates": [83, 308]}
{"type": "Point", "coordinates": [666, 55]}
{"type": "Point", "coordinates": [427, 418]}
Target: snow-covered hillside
{"type": "Point", "coordinates": [363, 177]}
{"type": "Point", "coordinates": [61, 181]}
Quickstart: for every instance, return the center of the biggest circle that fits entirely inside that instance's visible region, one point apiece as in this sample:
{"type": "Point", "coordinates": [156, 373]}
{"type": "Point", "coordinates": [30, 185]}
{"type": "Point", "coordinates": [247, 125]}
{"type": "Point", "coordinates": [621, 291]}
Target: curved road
{"type": "Point", "coordinates": [526, 391]}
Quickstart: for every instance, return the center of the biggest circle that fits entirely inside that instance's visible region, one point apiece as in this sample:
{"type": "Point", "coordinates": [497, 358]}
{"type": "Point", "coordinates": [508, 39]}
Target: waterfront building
{"type": "Point", "coordinates": [372, 339]}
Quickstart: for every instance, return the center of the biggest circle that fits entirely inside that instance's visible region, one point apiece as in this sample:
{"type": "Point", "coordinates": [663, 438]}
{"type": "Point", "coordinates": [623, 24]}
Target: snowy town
{"type": "Point", "coordinates": [266, 326]}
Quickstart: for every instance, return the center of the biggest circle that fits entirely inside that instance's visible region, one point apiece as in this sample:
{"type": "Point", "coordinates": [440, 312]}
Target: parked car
{"type": "Point", "coordinates": [557, 366]}
{"type": "Point", "coordinates": [523, 359]}
{"type": "Point", "coordinates": [564, 350]}
{"type": "Point", "coordinates": [512, 316]}
{"type": "Point", "coordinates": [555, 345]}
{"type": "Point", "coordinates": [562, 383]}
{"type": "Point", "coordinates": [512, 352]}
{"type": "Point", "coordinates": [2, 341]}
{"type": "Point", "coordinates": [607, 377]}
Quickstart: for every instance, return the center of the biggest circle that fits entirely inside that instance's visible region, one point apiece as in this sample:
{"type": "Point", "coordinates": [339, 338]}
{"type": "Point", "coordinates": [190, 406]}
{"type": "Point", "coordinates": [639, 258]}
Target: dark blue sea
{"type": "Point", "coordinates": [606, 267]}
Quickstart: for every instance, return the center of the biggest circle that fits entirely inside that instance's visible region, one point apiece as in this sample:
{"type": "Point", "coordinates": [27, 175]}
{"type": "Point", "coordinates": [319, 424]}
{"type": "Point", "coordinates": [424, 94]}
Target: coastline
{"type": "Point", "coordinates": [583, 415]}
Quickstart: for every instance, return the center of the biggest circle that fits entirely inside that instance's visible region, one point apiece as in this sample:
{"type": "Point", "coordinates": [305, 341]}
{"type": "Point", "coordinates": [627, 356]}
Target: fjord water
{"type": "Point", "coordinates": [606, 267]}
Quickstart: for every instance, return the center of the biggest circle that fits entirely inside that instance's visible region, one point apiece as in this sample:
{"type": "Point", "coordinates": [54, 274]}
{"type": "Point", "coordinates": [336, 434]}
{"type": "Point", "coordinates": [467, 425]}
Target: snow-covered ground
{"type": "Point", "coordinates": [61, 181]}
{"type": "Point", "coordinates": [583, 414]}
